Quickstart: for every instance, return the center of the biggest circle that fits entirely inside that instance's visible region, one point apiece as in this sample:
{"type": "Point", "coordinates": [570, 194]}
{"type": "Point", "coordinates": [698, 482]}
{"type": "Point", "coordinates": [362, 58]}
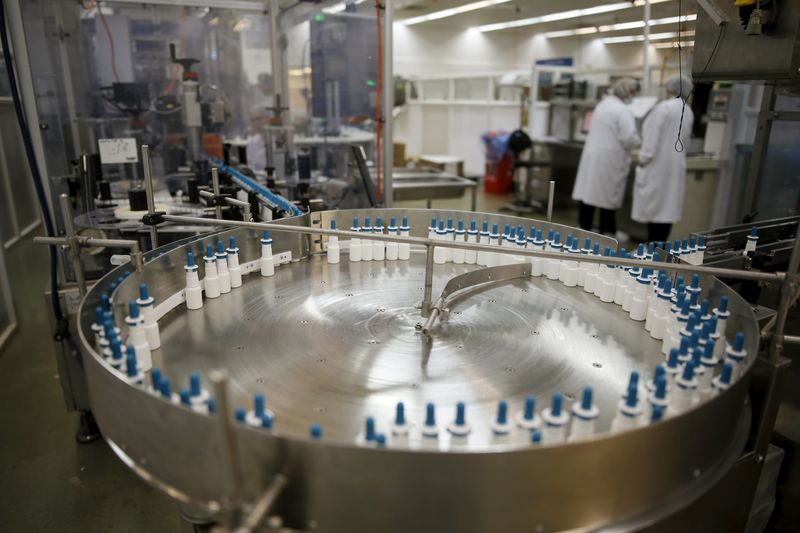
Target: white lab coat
{"type": "Point", "coordinates": [256, 152]}
{"type": "Point", "coordinates": [605, 161]}
{"type": "Point", "coordinates": [661, 177]}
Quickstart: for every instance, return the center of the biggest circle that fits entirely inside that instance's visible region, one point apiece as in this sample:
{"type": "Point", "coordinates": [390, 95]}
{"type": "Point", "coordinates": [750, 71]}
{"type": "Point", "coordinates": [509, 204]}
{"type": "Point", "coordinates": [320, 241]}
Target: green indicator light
{"type": "Point", "coordinates": [371, 83]}
{"type": "Point", "coordinates": [319, 17]}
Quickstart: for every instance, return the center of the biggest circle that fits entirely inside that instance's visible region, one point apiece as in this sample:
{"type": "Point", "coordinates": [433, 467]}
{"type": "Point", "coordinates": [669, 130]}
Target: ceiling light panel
{"type": "Point", "coordinates": [436, 15]}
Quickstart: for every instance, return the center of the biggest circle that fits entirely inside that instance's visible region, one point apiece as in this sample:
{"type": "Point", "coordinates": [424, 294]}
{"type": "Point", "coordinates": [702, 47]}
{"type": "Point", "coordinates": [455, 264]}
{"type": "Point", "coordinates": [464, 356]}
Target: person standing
{"type": "Point", "coordinates": [661, 173]}
{"type": "Point", "coordinates": [605, 161]}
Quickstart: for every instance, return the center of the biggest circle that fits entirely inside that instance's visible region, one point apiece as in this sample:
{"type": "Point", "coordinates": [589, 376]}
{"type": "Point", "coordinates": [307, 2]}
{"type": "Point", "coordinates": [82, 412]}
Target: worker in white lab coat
{"type": "Point", "coordinates": [605, 161]}
{"type": "Point", "coordinates": [661, 174]}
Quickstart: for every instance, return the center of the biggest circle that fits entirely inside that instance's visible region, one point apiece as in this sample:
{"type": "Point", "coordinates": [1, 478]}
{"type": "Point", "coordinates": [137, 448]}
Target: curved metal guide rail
{"type": "Point", "coordinates": [331, 344]}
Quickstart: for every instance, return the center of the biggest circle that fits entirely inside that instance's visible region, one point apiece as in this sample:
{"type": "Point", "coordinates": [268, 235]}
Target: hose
{"type": "Point", "coordinates": [37, 178]}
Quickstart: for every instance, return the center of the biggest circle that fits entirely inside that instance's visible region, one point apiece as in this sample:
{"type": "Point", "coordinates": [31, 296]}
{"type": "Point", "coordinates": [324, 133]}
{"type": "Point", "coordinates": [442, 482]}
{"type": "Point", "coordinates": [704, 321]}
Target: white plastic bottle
{"type": "Point", "coordinates": [459, 253]}
{"type": "Point", "coordinates": [211, 279]}
{"type": "Point", "coordinates": [222, 269]}
{"type": "Point", "coordinates": [378, 247]}
{"type": "Point", "coordinates": [404, 249]}
{"type": "Point", "coordinates": [267, 260]}
{"type": "Point", "coordinates": [366, 244]}
{"type": "Point", "coordinates": [194, 293]}
{"type": "Point", "coordinates": [147, 307]}
{"type": "Point", "coordinates": [333, 246]}
{"type": "Point", "coordinates": [439, 253]}
{"type": "Point", "coordinates": [392, 247]}
{"type": "Point", "coordinates": [233, 263]}
{"type": "Point", "coordinates": [481, 258]}
{"type": "Point", "coordinates": [355, 244]}
{"type": "Point", "coordinates": [471, 256]}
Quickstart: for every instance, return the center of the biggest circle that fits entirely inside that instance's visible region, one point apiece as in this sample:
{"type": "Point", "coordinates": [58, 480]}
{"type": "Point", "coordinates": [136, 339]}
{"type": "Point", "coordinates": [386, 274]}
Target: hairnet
{"type": "Point", "coordinates": [681, 85]}
{"type": "Point", "coordinates": [624, 88]}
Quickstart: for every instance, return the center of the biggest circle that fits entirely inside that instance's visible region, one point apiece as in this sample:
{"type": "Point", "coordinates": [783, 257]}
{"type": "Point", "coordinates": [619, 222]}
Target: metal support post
{"type": "Point", "coordinates": [72, 242]}
{"type": "Point", "coordinates": [388, 103]}
{"type": "Point", "coordinates": [148, 188]}
{"type": "Point", "coordinates": [788, 290]}
{"type": "Point", "coordinates": [228, 443]}
{"type": "Point", "coordinates": [551, 192]}
{"type": "Point", "coordinates": [426, 298]}
{"type": "Point", "coordinates": [215, 188]}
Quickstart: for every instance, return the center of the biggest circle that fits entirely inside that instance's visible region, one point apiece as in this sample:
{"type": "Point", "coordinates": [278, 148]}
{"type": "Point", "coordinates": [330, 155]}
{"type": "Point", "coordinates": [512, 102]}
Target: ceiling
{"type": "Point", "coordinates": [521, 9]}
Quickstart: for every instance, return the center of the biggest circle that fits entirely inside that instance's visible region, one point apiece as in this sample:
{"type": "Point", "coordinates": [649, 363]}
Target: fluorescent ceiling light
{"type": "Point", "coordinates": [617, 27]}
{"type": "Point", "coordinates": [452, 11]}
{"type": "Point", "coordinates": [341, 6]}
{"type": "Point", "coordinates": [563, 15]}
{"type": "Point", "coordinates": [640, 38]}
{"type": "Point", "coordinates": [684, 44]}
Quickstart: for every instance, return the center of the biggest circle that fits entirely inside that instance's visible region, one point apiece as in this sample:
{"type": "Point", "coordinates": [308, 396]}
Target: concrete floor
{"type": "Point", "coordinates": [49, 481]}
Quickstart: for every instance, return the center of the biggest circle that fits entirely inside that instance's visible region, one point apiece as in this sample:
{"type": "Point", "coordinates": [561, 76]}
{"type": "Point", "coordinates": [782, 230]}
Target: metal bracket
{"type": "Point", "coordinates": [714, 11]}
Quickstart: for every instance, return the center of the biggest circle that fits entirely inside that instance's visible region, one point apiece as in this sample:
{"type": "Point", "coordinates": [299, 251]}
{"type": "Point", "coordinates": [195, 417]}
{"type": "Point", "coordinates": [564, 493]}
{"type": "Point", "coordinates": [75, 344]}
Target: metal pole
{"type": "Point", "coordinates": [148, 189]}
{"type": "Point", "coordinates": [427, 294]}
{"type": "Point", "coordinates": [646, 50]}
{"type": "Point", "coordinates": [551, 193]}
{"type": "Point", "coordinates": [91, 242]}
{"type": "Point", "coordinates": [388, 103]}
{"type": "Point", "coordinates": [263, 505]}
{"type": "Point", "coordinates": [215, 188]}
{"type": "Point", "coordinates": [228, 441]}
{"type": "Point", "coordinates": [753, 275]}
{"type": "Point", "coordinates": [72, 242]}
{"type": "Point", "coordinates": [787, 291]}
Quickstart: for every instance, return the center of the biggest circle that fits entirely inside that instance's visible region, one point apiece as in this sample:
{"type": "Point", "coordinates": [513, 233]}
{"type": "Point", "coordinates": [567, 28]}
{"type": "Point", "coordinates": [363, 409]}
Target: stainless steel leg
{"type": "Point", "coordinates": [429, 203]}
{"type": "Point", "coordinates": [229, 447]}
{"type": "Point", "coordinates": [550, 197]}
{"type": "Point", "coordinates": [474, 199]}
{"type": "Point", "coordinates": [788, 289]}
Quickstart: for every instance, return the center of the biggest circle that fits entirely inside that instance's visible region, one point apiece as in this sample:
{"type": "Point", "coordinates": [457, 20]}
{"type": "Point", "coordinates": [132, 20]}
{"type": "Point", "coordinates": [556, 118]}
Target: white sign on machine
{"type": "Point", "coordinates": [114, 151]}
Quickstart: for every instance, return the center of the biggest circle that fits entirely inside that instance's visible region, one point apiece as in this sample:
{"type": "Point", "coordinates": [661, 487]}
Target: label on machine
{"type": "Point", "coordinates": [114, 151]}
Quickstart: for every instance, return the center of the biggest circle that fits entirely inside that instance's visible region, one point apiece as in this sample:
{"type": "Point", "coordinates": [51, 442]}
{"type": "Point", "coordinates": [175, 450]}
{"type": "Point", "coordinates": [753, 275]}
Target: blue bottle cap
{"type": "Point", "coordinates": [405, 222]}
{"type": "Point", "coordinates": [651, 248]}
{"type": "Point", "coordinates": [369, 429]}
{"type": "Point", "coordinates": [116, 349]}
{"type": "Point", "coordinates": [449, 224]}
{"type": "Point", "coordinates": [723, 304]}
{"type": "Point", "coordinates": [640, 250]}
{"type": "Point", "coordinates": [315, 431]}
{"type": "Point", "coordinates": [607, 252]}
{"type": "Point", "coordinates": [633, 381]}
{"type": "Point", "coordinates": [512, 234]}
{"type": "Point", "coordinates": [378, 222]}
{"type": "Point", "coordinates": [712, 323]}
{"type": "Point", "coordinates": [266, 422]}
{"type": "Point", "coordinates": [393, 224]}
{"type": "Point", "coordinates": [98, 315]}
{"type": "Point", "coordinates": [502, 412]}
{"type": "Point", "coordinates": [672, 360]}
{"type": "Point", "coordinates": [212, 405]}
{"type": "Point", "coordinates": [657, 413]}
{"type": "Point", "coordinates": [221, 248]}
{"type": "Point", "coordinates": [133, 309]}
{"type": "Point", "coordinates": [366, 222]}
{"type": "Point", "coordinates": [596, 249]}
{"type": "Point", "coordinates": [105, 301]}
{"type": "Point", "coordinates": [631, 396]}
{"type": "Point", "coordinates": [539, 235]}
{"type": "Point", "coordinates": [355, 222]}
{"type": "Point", "coordinates": [557, 238]}
{"type": "Point", "coordinates": [494, 229]}
{"type": "Point", "coordinates": [536, 436]}
{"type": "Point", "coordinates": [240, 414]}
{"type": "Point", "coordinates": [108, 328]}
{"type": "Point", "coordinates": [265, 235]}
{"type": "Point", "coordinates": [155, 378]}
{"type": "Point", "coordinates": [473, 226]}
{"type": "Point", "coordinates": [555, 407]}
{"type": "Point", "coordinates": [130, 362]}
{"type": "Point", "coordinates": [530, 407]}
{"type": "Point", "coordinates": [441, 226]}
{"type": "Point", "coordinates": [165, 388]}
{"type": "Point", "coordinates": [460, 414]}
{"type": "Point", "coordinates": [656, 257]}
{"type": "Point", "coordinates": [695, 281]}
{"type": "Point", "coordinates": [194, 384]}
{"type": "Point", "coordinates": [738, 342]}
{"type": "Point", "coordinates": [688, 371]}
{"type": "Point", "coordinates": [658, 372]}
{"type": "Point", "coordinates": [701, 241]}
{"type": "Point", "coordinates": [569, 240]}
{"type": "Point", "coordinates": [506, 229]}
{"type": "Point", "coordinates": [683, 349]}
{"type": "Point", "coordinates": [430, 415]}
{"type": "Point", "coordinates": [661, 387]}
{"type": "Point", "coordinates": [667, 247]}
{"type": "Point", "coordinates": [143, 293]}
{"type": "Point", "coordinates": [485, 226]}
{"type": "Point", "coordinates": [575, 245]}
{"type": "Point", "coordinates": [460, 226]}
{"type": "Point", "coordinates": [550, 235]}
{"type": "Point", "coordinates": [380, 440]}
{"type": "Point", "coordinates": [586, 399]}
{"type": "Point", "coordinates": [232, 243]}
{"type": "Point", "coordinates": [709, 349]}
{"type": "Point", "coordinates": [667, 285]}
{"type": "Point", "coordinates": [400, 414]}
{"type": "Point", "coordinates": [754, 231]}
{"type": "Point", "coordinates": [587, 243]}
{"type": "Point", "coordinates": [259, 404]}
{"type": "Point", "coordinates": [726, 374]}
{"type": "Point", "coordinates": [185, 398]}
{"type": "Point", "coordinates": [190, 262]}
{"type": "Point", "coordinates": [433, 222]}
